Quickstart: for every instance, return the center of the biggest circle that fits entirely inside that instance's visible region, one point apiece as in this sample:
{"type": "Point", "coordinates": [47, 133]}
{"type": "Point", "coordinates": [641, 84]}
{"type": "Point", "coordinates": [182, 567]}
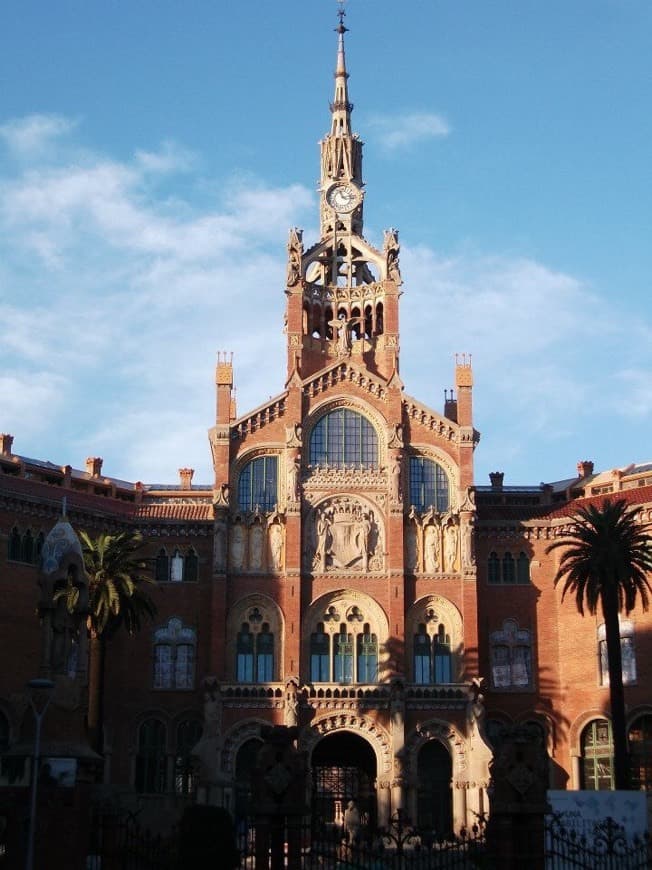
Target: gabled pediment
{"type": "Point", "coordinates": [345, 372]}
{"type": "Point", "coordinates": [432, 420]}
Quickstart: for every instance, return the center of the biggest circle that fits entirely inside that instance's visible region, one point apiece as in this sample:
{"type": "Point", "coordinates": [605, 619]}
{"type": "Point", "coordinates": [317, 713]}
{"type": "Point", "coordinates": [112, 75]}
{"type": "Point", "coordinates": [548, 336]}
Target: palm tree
{"type": "Point", "coordinates": [605, 560]}
{"type": "Point", "coordinates": [116, 573]}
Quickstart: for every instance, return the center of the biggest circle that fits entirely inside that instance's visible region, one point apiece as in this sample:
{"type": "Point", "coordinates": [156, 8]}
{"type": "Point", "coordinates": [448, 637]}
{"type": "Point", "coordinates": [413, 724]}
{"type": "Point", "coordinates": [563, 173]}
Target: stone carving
{"type": "Point", "coordinates": [222, 496]}
{"type": "Point", "coordinates": [346, 477]}
{"type": "Point", "coordinates": [411, 547]}
{"type": "Point", "coordinates": [293, 435]}
{"type": "Point", "coordinates": [345, 536]}
{"type": "Point", "coordinates": [256, 544]}
{"type": "Point", "coordinates": [432, 549]}
{"type": "Point", "coordinates": [395, 438]}
{"type": "Point", "coordinates": [237, 548]}
{"type": "Point", "coordinates": [391, 248]}
{"type": "Point", "coordinates": [219, 547]}
{"type": "Point", "coordinates": [207, 750]}
{"type": "Point", "coordinates": [468, 549]}
{"type": "Point", "coordinates": [343, 328]}
{"type": "Point", "coordinates": [451, 538]}
{"type": "Point", "coordinates": [275, 546]}
{"type": "Point", "coordinates": [396, 480]}
{"type": "Point", "coordinates": [294, 469]}
{"type": "Point", "coordinates": [291, 709]}
{"type": "Point", "coordinates": [295, 250]}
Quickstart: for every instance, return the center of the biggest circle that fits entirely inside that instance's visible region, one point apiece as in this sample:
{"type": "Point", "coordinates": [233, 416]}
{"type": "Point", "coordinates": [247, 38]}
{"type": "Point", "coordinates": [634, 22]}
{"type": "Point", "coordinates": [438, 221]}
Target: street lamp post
{"type": "Point", "coordinates": [37, 689]}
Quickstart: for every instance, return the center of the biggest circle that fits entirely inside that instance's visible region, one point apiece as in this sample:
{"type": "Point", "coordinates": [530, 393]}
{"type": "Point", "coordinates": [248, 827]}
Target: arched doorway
{"type": "Point", "coordinates": [434, 799]}
{"type": "Point", "coordinates": [343, 769]}
{"type": "Point", "coordinates": [245, 762]}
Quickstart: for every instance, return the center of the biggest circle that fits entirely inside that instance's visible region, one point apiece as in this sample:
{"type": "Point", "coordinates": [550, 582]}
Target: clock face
{"type": "Point", "coordinates": [343, 197]}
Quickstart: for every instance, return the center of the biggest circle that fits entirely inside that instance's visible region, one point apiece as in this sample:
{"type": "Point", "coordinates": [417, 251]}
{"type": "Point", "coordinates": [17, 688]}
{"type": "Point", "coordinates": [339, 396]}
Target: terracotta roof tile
{"type": "Point", "coordinates": [193, 512]}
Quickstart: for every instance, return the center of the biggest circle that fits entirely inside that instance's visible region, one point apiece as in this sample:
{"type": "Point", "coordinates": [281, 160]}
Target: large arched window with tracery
{"type": "Point", "coordinates": [344, 643]}
{"type": "Point", "coordinates": [258, 484]}
{"type": "Point", "coordinates": [255, 631]}
{"type": "Point", "coordinates": [429, 485]}
{"type": "Point", "coordinates": [344, 439]}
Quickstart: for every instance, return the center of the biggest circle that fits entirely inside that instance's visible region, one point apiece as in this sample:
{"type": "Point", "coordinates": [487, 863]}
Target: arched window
{"type": "Point", "coordinates": [245, 655]}
{"type": "Point", "coordinates": [14, 545]}
{"type": "Point", "coordinates": [191, 567]}
{"type": "Point", "coordinates": [175, 647]}
{"type": "Point", "coordinates": [188, 735]}
{"type": "Point", "coordinates": [176, 567]}
{"type": "Point", "coordinates": [511, 657]}
{"type": "Point", "coordinates": [627, 653]}
{"type": "Point", "coordinates": [422, 656]}
{"type": "Point", "coordinates": [342, 439]}
{"type": "Point", "coordinates": [597, 756]}
{"type": "Point", "coordinates": [429, 485]}
{"type": "Point", "coordinates": [523, 569]}
{"type": "Point", "coordinates": [367, 654]}
{"type": "Point", "coordinates": [265, 655]}
{"type": "Point", "coordinates": [27, 549]}
{"type": "Point", "coordinates": [493, 568]}
{"type": "Point", "coordinates": [162, 567]}
{"type": "Point", "coordinates": [258, 484]}
{"type": "Point", "coordinates": [640, 748]}
{"type": "Point", "coordinates": [343, 656]}
{"type": "Point", "coordinates": [255, 651]}
{"type": "Point", "coordinates": [509, 572]}
{"type": "Point", "coordinates": [442, 656]}
{"type": "Point", "coordinates": [151, 758]}
{"type": "Point", "coordinates": [320, 655]}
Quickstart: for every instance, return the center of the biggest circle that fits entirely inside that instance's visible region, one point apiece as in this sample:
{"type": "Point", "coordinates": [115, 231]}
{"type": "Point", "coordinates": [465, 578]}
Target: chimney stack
{"type": "Point", "coordinates": [185, 477]}
{"type": "Point", "coordinates": [496, 478]}
{"type": "Point", "coordinates": [94, 466]}
{"type": "Point", "coordinates": [584, 468]}
{"type": "Point", "coordinates": [5, 444]}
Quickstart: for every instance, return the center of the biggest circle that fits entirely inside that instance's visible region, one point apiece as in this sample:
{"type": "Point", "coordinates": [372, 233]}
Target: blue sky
{"type": "Point", "coordinates": [154, 154]}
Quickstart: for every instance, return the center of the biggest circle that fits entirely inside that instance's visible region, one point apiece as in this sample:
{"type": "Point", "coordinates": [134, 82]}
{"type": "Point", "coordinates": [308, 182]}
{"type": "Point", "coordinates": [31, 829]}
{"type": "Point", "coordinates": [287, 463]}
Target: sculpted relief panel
{"type": "Point", "coordinates": [344, 534]}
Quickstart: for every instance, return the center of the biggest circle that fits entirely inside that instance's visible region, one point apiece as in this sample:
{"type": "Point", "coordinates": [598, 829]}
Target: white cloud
{"type": "Point", "coordinates": [116, 298]}
{"type": "Point", "coordinates": [395, 132]}
{"type": "Point", "coordinates": [29, 137]}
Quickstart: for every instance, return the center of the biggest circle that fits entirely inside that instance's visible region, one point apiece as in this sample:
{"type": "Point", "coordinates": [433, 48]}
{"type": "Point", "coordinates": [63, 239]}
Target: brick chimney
{"type": "Point", "coordinates": [5, 444]}
{"type": "Point", "coordinates": [94, 466]}
{"type": "Point", "coordinates": [496, 478]}
{"type": "Point", "coordinates": [584, 468]}
{"type": "Point", "coordinates": [185, 477]}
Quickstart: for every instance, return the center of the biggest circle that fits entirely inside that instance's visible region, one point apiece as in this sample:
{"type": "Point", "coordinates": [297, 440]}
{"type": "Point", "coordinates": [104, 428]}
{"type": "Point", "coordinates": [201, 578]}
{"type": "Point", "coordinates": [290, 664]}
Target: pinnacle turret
{"type": "Point", "coordinates": [341, 107]}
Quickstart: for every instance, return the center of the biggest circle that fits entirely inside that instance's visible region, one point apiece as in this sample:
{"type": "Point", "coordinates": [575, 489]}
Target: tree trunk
{"type": "Point", "coordinates": [609, 599]}
{"type": "Point", "coordinates": [97, 656]}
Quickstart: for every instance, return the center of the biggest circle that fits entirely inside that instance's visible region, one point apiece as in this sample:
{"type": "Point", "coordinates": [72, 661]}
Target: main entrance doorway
{"type": "Point", "coordinates": [343, 769]}
{"type": "Point", "coordinates": [434, 799]}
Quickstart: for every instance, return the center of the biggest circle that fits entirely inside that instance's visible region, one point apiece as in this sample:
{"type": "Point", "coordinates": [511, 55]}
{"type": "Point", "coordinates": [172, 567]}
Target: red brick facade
{"type": "Point", "coordinates": [341, 572]}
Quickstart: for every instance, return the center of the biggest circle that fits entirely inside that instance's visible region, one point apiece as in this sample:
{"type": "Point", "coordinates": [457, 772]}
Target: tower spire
{"type": "Point", "coordinates": [341, 107]}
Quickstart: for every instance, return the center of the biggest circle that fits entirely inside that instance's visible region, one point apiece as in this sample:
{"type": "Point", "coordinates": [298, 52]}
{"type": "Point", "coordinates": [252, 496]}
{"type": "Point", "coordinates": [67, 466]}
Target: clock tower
{"type": "Point", "coordinates": [342, 292]}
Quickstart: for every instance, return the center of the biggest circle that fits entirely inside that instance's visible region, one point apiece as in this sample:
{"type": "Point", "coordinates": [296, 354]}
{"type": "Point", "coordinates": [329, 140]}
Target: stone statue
{"type": "Point", "coordinates": [291, 709]}
{"type": "Point", "coordinates": [294, 468]}
{"type": "Point", "coordinates": [322, 529]}
{"type": "Point", "coordinates": [275, 545]}
{"type": "Point", "coordinates": [343, 328]}
{"type": "Point", "coordinates": [451, 541]}
{"type": "Point", "coordinates": [363, 526]}
{"type": "Point", "coordinates": [237, 549]}
{"type": "Point", "coordinates": [295, 249]}
{"type": "Point", "coordinates": [256, 539]}
{"type": "Point", "coordinates": [468, 555]}
{"type": "Point", "coordinates": [219, 547]}
{"type": "Point", "coordinates": [431, 549]}
{"type": "Point", "coordinates": [392, 248]}
{"type": "Point", "coordinates": [396, 480]}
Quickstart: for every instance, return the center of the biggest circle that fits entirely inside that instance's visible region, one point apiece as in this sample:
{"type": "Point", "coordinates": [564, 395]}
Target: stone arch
{"type": "Point", "coordinates": [452, 740]}
{"type": "Point", "coordinates": [362, 726]}
{"type": "Point", "coordinates": [579, 724]}
{"type": "Point", "coordinates": [270, 613]}
{"type": "Point", "coordinates": [340, 605]}
{"type": "Point", "coordinates": [433, 611]}
{"type": "Point", "coordinates": [237, 736]}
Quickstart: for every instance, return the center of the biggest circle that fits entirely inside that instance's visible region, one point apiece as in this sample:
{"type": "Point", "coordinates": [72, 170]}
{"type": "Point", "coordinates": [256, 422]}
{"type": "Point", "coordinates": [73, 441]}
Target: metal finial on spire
{"type": "Point", "coordinates": [341, 13]}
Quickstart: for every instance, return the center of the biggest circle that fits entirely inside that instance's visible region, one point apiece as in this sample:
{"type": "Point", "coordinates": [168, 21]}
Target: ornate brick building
{"type": "Point", "coordinates": [341, 573]}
